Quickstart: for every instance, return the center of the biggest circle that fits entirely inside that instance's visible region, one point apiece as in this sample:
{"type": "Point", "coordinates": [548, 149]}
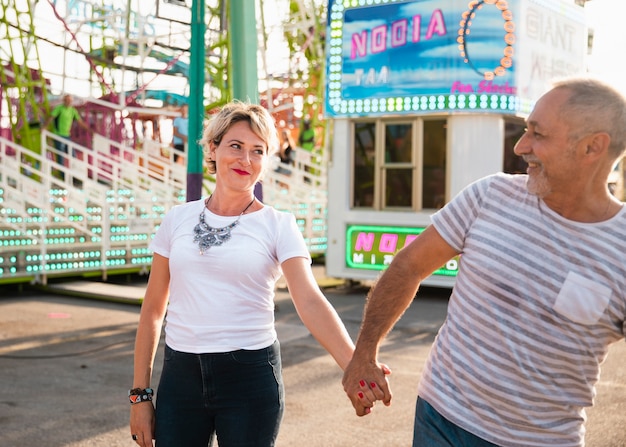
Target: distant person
{"type": "Point", "coordinates": [64, 116]}
{"type": "Point", "coordinates": [540, 292]}
{"type": "Point", "coordinates": [181, 130]}
{"type": "Point", "coordinates": [213, 276]}
{"type": "Point", "coordinates": [286, 153]}
{"type": "Point", "coordinates": [306, 140]}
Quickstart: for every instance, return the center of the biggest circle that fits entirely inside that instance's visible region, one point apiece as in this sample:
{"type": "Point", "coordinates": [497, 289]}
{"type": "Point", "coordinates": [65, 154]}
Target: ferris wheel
{"type": "Point", "coordinates": [132, 51]}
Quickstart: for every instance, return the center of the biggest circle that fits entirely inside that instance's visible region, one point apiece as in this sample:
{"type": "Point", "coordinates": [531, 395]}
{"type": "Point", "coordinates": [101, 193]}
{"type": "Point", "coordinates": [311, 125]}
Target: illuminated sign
{"type": "Point", "coordinates": [430, 56]}
{"type": "Point", "coordinates": [371, 247]}
{"type": "Point", "coordinates": [407, 57]}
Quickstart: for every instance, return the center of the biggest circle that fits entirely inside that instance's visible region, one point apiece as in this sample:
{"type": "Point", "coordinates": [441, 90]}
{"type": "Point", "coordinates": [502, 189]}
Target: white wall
{"type": "Point", "coordinates": [475, 149]}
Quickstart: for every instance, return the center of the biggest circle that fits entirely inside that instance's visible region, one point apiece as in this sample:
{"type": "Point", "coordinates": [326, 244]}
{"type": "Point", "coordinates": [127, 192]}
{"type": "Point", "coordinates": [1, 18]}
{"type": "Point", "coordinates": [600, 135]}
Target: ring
{"type": "Point", "coordinates": [134, 437]}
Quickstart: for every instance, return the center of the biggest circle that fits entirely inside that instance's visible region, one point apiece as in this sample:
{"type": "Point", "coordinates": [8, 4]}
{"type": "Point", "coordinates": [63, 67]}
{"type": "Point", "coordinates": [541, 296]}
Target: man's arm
{"type": "Point", "coordinates": [80, 121]}
{"type": "Point", "coordinates": [387, 301]}
{"type": "Point", "coordinates": [51, 117]}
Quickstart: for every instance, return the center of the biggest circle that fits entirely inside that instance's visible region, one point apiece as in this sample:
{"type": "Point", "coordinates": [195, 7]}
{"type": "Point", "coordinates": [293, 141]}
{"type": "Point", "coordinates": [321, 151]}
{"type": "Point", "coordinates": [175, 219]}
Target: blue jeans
{"type": "Point", "coordinates": [237, 396]}
{"type": "Point", "coordinates": [433, 430]}
{"type": "Point", "coordinates": [61, 146]}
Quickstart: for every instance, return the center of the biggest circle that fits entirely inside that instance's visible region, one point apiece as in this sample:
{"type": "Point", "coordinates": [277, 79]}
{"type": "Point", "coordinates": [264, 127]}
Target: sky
{"type": "Point", "coordinates": [606, 17]}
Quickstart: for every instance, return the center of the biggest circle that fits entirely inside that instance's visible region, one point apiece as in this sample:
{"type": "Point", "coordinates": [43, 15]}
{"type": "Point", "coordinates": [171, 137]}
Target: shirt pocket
{"type": "Point", "coordinates": [582, 300]}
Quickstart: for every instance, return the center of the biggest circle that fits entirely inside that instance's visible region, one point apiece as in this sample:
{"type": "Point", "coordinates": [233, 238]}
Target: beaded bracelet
{"type": "Point", "coordinates": [138, 395]}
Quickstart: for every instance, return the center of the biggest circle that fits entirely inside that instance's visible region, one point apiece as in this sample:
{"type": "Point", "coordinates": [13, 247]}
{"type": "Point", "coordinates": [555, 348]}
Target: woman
{"type": "Point", "coordinates": [286, 149]}
{"type": "Point", "coordinates": [216, 262]}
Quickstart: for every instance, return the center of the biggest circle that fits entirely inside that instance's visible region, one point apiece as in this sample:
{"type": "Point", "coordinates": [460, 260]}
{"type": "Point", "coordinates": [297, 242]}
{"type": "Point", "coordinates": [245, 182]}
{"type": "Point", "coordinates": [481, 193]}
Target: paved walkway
{"type": "Point", "coordinates": [133, 293]}
{"type": "Point", "coordinates": [66, 366]}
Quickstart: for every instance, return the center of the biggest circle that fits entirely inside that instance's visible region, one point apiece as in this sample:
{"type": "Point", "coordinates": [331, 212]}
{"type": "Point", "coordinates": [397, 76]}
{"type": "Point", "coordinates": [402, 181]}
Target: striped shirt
{"type": "Point", "coordinates": [537, 302]}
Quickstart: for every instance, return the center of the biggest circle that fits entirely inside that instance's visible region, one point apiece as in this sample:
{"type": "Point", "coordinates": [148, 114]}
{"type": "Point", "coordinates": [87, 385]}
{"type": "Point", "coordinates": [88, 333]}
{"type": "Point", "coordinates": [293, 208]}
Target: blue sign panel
{"type": "Point", "coordinates": [420, 56]}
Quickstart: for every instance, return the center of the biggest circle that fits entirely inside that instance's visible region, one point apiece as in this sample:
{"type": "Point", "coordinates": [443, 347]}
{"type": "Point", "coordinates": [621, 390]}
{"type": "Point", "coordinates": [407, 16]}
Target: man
{"type": "Point", "coordinates": [181, 130]}
{"type": "Point", "coordinates": [541, 289]}
{"type": "Point", "coordinates": [64, 116]}
{"type": "Point", "coordinates": [306, 140]}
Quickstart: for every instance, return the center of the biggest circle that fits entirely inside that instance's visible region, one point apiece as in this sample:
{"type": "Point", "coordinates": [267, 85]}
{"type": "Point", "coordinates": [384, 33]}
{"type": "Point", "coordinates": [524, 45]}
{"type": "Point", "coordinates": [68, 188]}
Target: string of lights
{"type": "Point", "coordinates": [509, 37]}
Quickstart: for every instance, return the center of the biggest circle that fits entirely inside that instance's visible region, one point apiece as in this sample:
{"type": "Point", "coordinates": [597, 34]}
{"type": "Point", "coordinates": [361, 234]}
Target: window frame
{"type": "Point", "coordinates": [382, 167]}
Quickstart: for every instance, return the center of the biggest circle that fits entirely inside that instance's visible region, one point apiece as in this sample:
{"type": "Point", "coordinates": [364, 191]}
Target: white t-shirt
{"type": "Point", "coordinates": [223, 300]}
{"type": "Point", "coordinates": [536, 304]}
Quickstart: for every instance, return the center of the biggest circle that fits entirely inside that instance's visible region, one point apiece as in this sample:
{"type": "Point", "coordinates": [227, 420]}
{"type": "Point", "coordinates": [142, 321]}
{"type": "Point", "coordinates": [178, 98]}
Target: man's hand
{"type": "Point", "coordinates": [365, 383]}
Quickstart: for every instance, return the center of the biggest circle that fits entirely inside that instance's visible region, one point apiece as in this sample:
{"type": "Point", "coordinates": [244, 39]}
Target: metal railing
{"type": "Point", "coordinates": [93, 211]}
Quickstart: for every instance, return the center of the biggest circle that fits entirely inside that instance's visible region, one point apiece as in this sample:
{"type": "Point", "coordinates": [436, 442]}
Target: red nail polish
{"type": "Point", "coordinates": [360, 394]}
{"type": "Point", "coordinates": [373, 384]}
{"type": "Point", "coordinates": [362, 383]}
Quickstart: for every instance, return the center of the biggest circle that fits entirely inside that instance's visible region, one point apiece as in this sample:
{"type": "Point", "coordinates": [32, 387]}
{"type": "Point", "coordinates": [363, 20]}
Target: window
{"type": "Point", "coordinates": [364, 164]}
{"type": "Point", "coordinates": [399, 164]}
{"type": "Point", "coordinates": [397, 168]}
{"type": "Point", "coordinates": [434, 178]}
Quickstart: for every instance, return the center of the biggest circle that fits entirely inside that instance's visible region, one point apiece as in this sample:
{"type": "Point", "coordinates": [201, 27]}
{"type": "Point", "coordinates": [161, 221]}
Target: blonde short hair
{"type": "Point", "coordinates": [260, 120]}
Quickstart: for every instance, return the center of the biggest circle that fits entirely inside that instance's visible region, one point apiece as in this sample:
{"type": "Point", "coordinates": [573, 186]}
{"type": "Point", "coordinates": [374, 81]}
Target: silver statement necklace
{"type": "Point", "coordinates": [206, 236]}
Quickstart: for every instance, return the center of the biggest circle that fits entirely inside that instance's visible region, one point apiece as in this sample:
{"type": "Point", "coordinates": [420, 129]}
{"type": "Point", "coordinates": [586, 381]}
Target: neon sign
{"type": "Point", "coordinates": [389, 56]}
{"type": "Point", "coordinates": [371, 247]}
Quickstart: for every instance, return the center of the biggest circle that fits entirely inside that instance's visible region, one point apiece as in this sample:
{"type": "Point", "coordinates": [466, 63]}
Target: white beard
{"type": "Point", "coordinates": [537, 184]}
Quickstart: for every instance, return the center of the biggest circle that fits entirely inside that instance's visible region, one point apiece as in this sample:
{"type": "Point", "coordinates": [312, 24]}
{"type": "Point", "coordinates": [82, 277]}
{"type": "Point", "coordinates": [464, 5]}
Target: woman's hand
{"type": "Point", "coordinates": [142, 423]}
{"type": "Point", "coordinates": [365, 383]}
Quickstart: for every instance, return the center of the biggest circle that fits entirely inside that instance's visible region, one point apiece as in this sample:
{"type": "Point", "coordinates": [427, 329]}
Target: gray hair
{"type": "Point", "coordinates": [594, 106]}
{"type": "Point", "coordinates": [260, 120]}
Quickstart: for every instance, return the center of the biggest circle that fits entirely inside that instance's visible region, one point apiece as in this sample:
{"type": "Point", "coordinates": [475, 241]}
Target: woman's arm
{"type": "Point", "coordinates": [317, 314]}
{"type": "Point", "coordinates": [146, 343]}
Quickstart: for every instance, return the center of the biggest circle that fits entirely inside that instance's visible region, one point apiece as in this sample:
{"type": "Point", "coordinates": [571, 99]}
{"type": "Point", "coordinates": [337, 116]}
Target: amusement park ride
{"type": "Point", "coordinates": [90, 211]}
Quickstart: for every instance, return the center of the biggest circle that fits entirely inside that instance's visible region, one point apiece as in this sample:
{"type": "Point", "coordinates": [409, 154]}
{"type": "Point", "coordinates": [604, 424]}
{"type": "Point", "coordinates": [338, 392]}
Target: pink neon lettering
{"type": "Point", "coordinates": [398, 33]}
{"type": "Point", "coordinates": [417, 25]}
{"type": "Point", "coordinates": [437, 25]}
{"type": "Point", "coordinates": [410, 238]}
{"type": "Point", "coordinates": [359, 45]}
{"type": "Point", "coordinates": [388, 242]}
{"type": "Point", "coordinates": [364, 242]}
{"type": "Point", "coordinates": [459, 87]}
{"type": "Point", "coordinates": [379, 39]}
{"type": "Point", "coordinates": [492, 87]}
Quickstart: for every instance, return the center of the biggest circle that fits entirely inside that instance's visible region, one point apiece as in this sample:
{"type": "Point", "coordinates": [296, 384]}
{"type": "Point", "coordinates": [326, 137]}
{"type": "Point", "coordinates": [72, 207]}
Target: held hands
{"type": "Point", "coordinates": [365, 383]}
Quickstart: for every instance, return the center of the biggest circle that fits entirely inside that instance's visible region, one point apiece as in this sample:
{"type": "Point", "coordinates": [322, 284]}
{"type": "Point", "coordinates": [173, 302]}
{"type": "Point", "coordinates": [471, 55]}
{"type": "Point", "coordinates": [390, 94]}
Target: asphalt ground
{"type": "Point", "coordinates": [66, 366]}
